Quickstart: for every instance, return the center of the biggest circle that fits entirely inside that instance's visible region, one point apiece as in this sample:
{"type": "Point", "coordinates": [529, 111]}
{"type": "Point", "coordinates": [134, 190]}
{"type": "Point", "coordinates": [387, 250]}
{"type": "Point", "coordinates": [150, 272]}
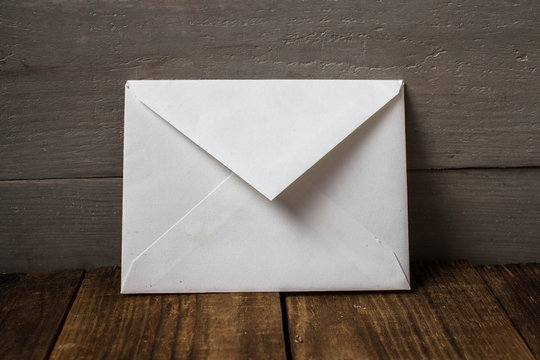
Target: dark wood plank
{"type": "Point", "coordinates": [46, 225]}
{"type": "Point", "coordinates": [32, 308]}
{"type": "Point", "coordinates": [517, 287]}
{"type": "Point", "coordinates": [486, 216]}
{"type": "Point", "coordinates": [105, 324]}
{"type": "Point", "coordinates": [450, 314]}
{"type": "Point", "coordinates": [471, 71]}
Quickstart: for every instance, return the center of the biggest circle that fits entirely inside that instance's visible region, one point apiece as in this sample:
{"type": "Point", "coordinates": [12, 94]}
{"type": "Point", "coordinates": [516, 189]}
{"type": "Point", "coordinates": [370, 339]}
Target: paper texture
{"type": "Point", "coordinates": [264, 185]}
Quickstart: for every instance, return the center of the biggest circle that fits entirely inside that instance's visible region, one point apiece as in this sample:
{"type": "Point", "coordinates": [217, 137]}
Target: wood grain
{"type": "Point", "coordinates": [517, 287]}
{"type": "Point", "coordinates": [32, 308]}
{"type": "Point", "coordinates": [471, 71]}
{"type": "Point", "coordinates": [450, 314]}
{"type": "Point", "coordinates": [105, 324]}
{"type": "Point", "coordinates": [487, 216]}
{"type": "Point", "coordinates": [60, 224]}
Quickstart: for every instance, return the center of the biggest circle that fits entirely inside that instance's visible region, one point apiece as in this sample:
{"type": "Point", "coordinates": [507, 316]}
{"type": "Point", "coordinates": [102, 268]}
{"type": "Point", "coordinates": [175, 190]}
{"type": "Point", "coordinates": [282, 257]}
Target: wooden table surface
{"type": "Point", "coordinates": [455, 311]}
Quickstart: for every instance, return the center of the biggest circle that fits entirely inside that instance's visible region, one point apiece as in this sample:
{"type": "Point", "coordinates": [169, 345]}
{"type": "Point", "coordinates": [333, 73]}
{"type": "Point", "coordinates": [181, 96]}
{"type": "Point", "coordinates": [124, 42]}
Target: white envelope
{"type": "Point", "coordinates": [264, 185]}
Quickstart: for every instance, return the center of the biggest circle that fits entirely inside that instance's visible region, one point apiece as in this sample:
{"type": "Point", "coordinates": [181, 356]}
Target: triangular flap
{"type": "Point", "coordinates": [268, 132]}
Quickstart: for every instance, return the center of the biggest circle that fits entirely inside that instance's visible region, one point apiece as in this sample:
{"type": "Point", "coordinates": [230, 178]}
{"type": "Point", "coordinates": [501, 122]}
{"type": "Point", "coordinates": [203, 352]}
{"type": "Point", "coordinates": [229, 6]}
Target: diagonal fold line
{"type": "Point", "coordinates": [249, 178]}
{"type": "Point", "coordinates": [178, 222]}
{"type": "Point", "coordinates": [355, 245]}
{"type": "Point", "coordinates": [401, 266]}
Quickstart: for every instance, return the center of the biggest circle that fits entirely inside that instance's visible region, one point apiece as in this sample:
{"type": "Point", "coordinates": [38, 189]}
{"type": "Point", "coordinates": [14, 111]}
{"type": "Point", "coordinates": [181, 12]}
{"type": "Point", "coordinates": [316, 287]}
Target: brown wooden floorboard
{"type": "Point", "coordinates": [32, 308]}
{"type": "Point", "coordinates": [517, 287]}
{"type": "Point", "coordinates": [105, 324]}
{"type": "Point", "coordinates": [449, 314]}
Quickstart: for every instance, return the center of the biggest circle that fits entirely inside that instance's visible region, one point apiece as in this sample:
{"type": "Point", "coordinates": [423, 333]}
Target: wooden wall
{"type": "Point", "coordinates": [472, 70]}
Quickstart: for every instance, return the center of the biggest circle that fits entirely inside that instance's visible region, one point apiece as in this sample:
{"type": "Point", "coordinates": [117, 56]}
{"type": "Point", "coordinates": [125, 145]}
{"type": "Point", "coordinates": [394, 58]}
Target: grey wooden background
{"type": "Point", "coordinates": [472, 70]}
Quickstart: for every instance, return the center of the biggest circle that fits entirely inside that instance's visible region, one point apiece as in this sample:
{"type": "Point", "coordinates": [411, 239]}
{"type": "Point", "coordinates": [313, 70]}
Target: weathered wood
{"type": "Point", "coordinates": [60, 224]}
{"type": "Point", "coordinates": [32, 308]}
{"type": "Point", "coordinates": [450, 314]}
{"type": "Point", "coordinates": [471, 71]}
{"type": "Point", "coordinates": [487, 216]}
{"type": "Point", "coordinates": [105, 324]}
{"type": "Point", "coordinates": [517, 287]}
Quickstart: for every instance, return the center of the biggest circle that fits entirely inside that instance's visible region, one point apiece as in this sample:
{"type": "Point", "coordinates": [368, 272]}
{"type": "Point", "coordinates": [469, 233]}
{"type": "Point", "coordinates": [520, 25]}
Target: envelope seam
{"type": "Point", "coordinates": [272, 197]}
{"type": "Point", "coordinates": [373, 238]}
{"type": "Point", "coordinates": [175, 224]}
{"type": "Point", "coordinates": [133, 265]}
{"type": "Point", "coordinates": [342, 140]}
{"type": "Point", "coordinates": [401, 267]}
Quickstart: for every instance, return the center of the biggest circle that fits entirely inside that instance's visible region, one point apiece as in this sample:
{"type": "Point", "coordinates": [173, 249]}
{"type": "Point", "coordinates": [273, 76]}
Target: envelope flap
{"type": "Point", "coordinates": [268, 132]}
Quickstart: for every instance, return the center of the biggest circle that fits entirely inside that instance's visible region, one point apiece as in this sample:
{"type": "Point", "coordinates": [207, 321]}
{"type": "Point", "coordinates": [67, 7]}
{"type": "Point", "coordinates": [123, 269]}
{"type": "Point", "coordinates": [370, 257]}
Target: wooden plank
{"type": "Point", "coordinates": [517, 287]}
{"type": "Point", "coordinates": [486, 216]}
{"type": "Point", "coordinates": [470, 69]}
{"type": "Point", "coordinates": [48, 225]}
{"type": "Point", "coordinates": [450, 314]}
{"type": "Point", "coordinates": [32, 308]}
{"type": "Point", "coordinates": [105, 324]}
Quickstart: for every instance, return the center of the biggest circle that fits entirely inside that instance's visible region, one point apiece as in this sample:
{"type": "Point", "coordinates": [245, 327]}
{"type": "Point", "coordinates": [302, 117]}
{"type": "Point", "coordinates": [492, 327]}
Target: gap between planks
{"type": "Point", "coordinates": [32, 307]}
{"type": "Point", "coordinates": [497, 286]}
{"type": "Point", "coordinates": [285, 325]}
{"type": "Point", "coordinates": [408, 170]}
{"type": "Point", "coordinates": [516, 288]}
{"type": "Point", "coordinates": [450, 313]}
{"type": "Point", "coordinates": [211, 326]}
{"type": "Point", "coordinates": [64, 317]}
